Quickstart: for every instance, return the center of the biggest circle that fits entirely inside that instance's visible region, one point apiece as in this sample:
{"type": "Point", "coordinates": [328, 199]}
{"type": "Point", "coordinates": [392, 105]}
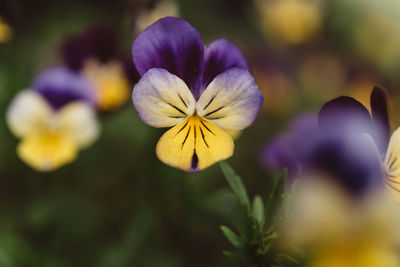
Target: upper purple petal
{"type": "Point", "coordinates": [380, 118]}
{"type": "Point", "coordinates": [101, 41]}
{"type": "Point", "coordinates": [59, 86]}
{"type": "Point", "coordinates": [172, 44]}
{"type": "Point", "coordinates": [343, 116]}
{"type": "Point", "coordinates": [350, 160]}
{"type": "Point", "coordinates": [74, 51]}
{"type": "Point", "coordinates": [220, 56]}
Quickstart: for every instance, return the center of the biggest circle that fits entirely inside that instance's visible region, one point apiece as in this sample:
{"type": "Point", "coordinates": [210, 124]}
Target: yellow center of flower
{"type": "Point", "coordinates": [194, 144]}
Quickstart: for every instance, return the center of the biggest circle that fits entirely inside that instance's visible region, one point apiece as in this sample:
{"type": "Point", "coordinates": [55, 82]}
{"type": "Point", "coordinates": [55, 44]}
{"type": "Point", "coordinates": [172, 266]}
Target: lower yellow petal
{"type": "Point", "coordinates": [111, 85]}
{"type": "Point", "coordinates": [194, 144]}
{"type": "Point", "coordinates": [47, 151]}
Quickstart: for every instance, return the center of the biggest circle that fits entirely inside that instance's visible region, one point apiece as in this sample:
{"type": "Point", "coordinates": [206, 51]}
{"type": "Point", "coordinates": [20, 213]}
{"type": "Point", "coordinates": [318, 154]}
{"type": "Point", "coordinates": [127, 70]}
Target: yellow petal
{"type": "Point", "coordinates": [28, 114]}
{"type": "Point", "coordinates": [78, 121]}
{"type": "Point", "coordinates": [194, 144]}
{"type": "Point", "coordinates": [112, 88]}
{"type": "Point", "coordinates": [47, 151]}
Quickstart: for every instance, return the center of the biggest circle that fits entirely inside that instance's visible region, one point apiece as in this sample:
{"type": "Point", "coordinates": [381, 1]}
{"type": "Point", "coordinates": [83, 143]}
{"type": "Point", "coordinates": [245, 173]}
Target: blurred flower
{"type": "Point", "coordinates": [378, 37]}
{"type": "Point", "coordinates": [350, 147]}
{"type": "Point", "coordinates": [321, 70]}
{"type": "Point", "coordinates": [162, 9]}
{"type": "Point", "coordinates": [330, 228]}
{"type": "Point", "coordinates": [5, 31]}
{"type": "Point", "coordinates": [54, 120]}
{"type": "Point", "coordinates": [292, 21]}
{"type": "Point", "coordinates": [202, 94]}
{"type": "Point", "coordinates": [278, 90]}
{"type": "Point", "coordinates": [93, 53]}
{"type": "Point", "coordinates": [285, 151]}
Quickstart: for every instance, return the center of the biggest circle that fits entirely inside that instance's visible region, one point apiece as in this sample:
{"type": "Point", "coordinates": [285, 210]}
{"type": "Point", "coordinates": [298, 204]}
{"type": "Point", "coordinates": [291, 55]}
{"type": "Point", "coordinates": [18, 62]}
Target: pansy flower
{"type": "Point", "coordinates": [378, 128]}
{"type": "Point", "coordinates": [94, 54]}
{"type": "Point", "coordinates": [53, 120]}
{"type": "Point", "coordinates": [203, 94]}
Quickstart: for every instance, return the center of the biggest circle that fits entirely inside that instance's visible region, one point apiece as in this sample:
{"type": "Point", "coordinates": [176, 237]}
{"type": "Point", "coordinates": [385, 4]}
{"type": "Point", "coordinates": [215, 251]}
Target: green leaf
{"type": "Point", "coordinates": [258, 210]}
{"type": "Point", "coordinates": [236, 184]}
{"type": "Point", "coordinates": [232, 237]}
{"type": "Point", "coordinates": [235, 257]}
{"type": "Point", "coordinates": [276, 196]}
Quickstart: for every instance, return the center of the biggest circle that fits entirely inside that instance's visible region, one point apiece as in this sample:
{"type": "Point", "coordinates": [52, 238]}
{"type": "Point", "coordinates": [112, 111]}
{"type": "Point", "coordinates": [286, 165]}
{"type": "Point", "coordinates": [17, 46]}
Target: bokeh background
{"type": "Point", "coordinates": [117, 204]}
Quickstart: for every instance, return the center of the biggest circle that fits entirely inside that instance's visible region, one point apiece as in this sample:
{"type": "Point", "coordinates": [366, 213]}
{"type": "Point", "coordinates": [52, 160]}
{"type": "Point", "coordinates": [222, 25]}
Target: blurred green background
{"type": "Point", "coordinates": [117, 204]}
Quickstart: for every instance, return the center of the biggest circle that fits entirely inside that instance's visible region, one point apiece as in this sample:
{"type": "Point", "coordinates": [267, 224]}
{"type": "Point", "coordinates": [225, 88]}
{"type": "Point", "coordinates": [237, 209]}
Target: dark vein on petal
{"type": "Point", "coordinates": [392, 163]}
{"type": "Point", "coordinates": [182, 128]}
{"type": "Point", "coordinates": [194, 127]}
{"type": "Point", "coordinates": [202, 135]}
{"type": "Point", "coordinates": [207, 127]}
{"type": "Point", "coordinates": [211, 100]}
{"type": "Point", "coordinates": [391, 180]}
{"type": "Point", "coordinates": [394, 188]}
{"type": "Point", "coordinates": [182, 100]}
{"type": "Point", "coordinates": [184, 141]}
{"type": "Point", "coordinates": [178, 109]}
{"type": "Point", "coordinates": [217, 118]}
{"type": "Point", "coordinates": [176, 117]}
{"type": "Point", "coordinates": [212, 112]}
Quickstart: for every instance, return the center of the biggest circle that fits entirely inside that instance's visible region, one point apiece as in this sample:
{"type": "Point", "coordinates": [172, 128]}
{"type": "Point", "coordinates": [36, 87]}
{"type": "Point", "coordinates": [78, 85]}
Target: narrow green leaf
{"type": "Point", "coordinates": [235, 257]}
{"type": "Point", "coordinates": [232, 237]}
{"type": "Point", "coordinates": [275, 197]}
{"type": "Point", "coordinates": [258, 210]}
{"type": "Point", "coordinates": [236, 184]}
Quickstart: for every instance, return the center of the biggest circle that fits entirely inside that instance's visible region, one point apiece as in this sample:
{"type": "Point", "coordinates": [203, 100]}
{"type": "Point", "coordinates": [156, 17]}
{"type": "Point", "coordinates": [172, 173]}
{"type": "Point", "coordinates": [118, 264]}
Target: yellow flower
{"type": "Point", "coordinates": [110, 84]}
{"type": "Point", "coordinates": [5, 31]}
{"type": "Point", "coordinates": [291, 21]}
{"type": "Point", "coordinates": [50, 138]}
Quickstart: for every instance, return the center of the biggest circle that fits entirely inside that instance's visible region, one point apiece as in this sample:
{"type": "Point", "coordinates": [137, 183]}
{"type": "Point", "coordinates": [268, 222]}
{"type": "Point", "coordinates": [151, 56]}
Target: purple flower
{"type": "Point", "coordinates": [348, 145]}
{"type": "Point", "coordinates": [94, 53]}
{"type": "Point", "coordinates": [203, 93]}
{"type": "Point", "coordinates": [60, 86]}
{"type": "Point", "coordinates": [286, 150]}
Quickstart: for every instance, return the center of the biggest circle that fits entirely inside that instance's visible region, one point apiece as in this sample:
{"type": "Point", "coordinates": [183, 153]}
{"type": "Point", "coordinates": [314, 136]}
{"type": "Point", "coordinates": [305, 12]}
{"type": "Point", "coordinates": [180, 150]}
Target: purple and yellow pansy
{"type": "Point", "coordinates": [94, 54]}
{"type": "Point", "coordinates": [54, 119]}
{"type": "Point", "coordinates": [203, 94]}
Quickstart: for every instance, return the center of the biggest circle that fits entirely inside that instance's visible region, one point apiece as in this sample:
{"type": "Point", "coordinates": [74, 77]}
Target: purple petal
{"type": "Point", "coordinates": [351, 161]}
{"type": "Point", "coordinates": [344, 115]}
{"type": "Point", "coordinates": [279, 154]}
{"type": "Point", "coordinates": [101, 41]}
{"type": "Point", "coordinates": [60, 86]}
{"type": "Point", "coordinates": [380, 118]}
{"type": "Point", "coordinates": [287, 150]}
{"type": "Point", "coordinates": [74, 51]}
{"type": "Point", "coordinates": [172, 44]}
{"type": "Point", "coordinates": [220, 56]}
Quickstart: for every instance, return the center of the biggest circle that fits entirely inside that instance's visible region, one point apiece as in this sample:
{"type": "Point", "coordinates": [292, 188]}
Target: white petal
{"type": "Point", "coordinates": [231, 101]}
{"type": "Point", "coordinates": [162, 99]}
{"type": "Point", "coordinates": [28, 114]}
{"type": "Point", "coordinates": [78, 121]}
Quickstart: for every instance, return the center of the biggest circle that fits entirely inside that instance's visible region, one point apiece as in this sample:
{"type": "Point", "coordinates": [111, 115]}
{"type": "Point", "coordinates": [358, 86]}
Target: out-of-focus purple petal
{"type": "Point", "coordinates": [220, 56]}
{"type": "Point", "coordinates": [344, 115]}
{"type": "Point", "coordinates": [74, 51]}
{"type": "Point", "coordinates": [102, 42]}
{"type": "Point", "coordinates": [279, 154]}
{"type": "Point", "coordinates": [288, 149]}
{"type": "Point", "coordinates": [351, 161]}
{"type": "Point", "coordinates": [380, 119]}
{"type": "Point", "coordinates": [174, 45]}
{"type": "Point", "coordinates": [60, 86]}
